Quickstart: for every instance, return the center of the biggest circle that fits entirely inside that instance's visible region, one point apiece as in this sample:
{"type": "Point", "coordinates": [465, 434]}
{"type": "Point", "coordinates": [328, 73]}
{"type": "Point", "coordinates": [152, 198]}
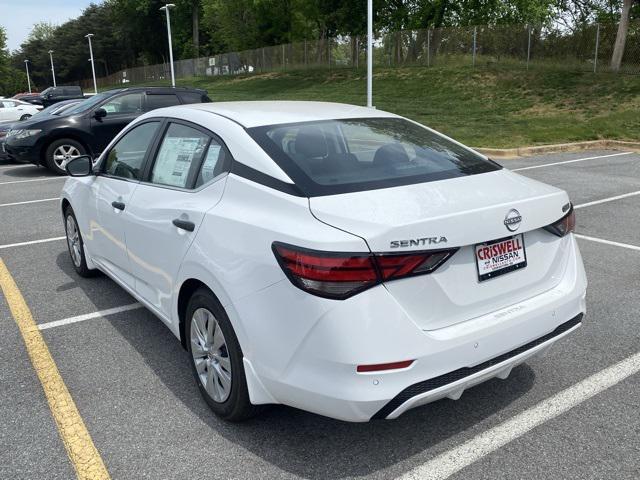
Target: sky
{"type": "Point", "coordinates": [18, 16]}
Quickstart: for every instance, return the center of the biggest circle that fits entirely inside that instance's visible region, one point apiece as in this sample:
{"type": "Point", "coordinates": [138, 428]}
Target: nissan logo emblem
{"type": "Point", "coordinates": [512, 220]}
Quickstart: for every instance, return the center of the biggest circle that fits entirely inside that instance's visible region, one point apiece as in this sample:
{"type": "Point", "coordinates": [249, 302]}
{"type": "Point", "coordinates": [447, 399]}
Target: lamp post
{"type": "Point", "coordinates": [166, 9]}
{"type": "Point", "coordinates": [26, 65]}
{"type": "Point", "coordinates": [93, 67]}
{"type": "Point", "coordinates": [53, 71]}
{"type": "Point", "coordinates": [369, 53]}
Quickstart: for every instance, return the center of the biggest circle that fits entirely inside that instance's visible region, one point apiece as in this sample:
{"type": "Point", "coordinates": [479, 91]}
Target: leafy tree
{"type": "Point", "coordinates": [12, 80]}
{"type": "Point", "coordinates": [43, 31]}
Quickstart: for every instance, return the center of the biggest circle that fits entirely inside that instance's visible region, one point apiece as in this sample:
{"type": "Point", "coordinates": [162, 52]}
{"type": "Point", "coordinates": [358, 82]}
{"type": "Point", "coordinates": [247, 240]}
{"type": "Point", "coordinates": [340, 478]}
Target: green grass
{"type": "Point", "coordinates": [482, 107]}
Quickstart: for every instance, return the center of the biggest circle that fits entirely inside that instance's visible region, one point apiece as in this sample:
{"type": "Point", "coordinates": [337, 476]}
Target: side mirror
{"type": "Point", "coordinates": [100, 113]}
{"type": "Point", "coordinates": [81, 166]}
{"type": "Point", "coordinates": [49, 95]}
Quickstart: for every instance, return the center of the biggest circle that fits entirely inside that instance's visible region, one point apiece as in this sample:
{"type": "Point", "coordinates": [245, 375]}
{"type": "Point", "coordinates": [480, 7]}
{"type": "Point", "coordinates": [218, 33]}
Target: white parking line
{"type": "Point", "coordinates": [570, 161]}
{"type": "Point", "coordinates": [608, 242]}
{"type": "Point", "coordinates": [454, 460]}
{"type": "Point", "coordinates": [32, 242]}
{"type": "Point", "coordinates": [29, 201]}
{"type": "Point", "coordinates": [33, 180]}
{"type": "Point", "coordinates": [89, 316]}
{"type": "Point", "coordinates": [609, 199]}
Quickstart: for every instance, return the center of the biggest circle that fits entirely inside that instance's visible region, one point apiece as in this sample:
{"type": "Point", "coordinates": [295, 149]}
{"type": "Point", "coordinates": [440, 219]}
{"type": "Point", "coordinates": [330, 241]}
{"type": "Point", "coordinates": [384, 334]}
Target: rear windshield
{"type": "Point", "coordinates": [340, 156]}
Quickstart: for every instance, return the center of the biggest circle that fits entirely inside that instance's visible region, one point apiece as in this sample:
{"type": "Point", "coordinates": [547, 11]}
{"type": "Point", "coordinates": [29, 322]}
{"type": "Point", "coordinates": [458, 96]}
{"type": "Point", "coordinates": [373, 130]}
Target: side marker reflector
{"type": "Point", "coordinates": [384, 366]}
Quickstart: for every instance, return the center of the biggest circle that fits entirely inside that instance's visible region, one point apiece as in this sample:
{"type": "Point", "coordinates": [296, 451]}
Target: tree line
{"type": "Point", "coordinates": [133, 32]}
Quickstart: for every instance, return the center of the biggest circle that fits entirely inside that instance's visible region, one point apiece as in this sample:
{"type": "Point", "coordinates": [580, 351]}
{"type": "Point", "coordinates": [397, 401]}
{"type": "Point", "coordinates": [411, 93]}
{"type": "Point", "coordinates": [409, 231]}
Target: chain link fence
{"type": "Point", "coordinates": [584, 48]}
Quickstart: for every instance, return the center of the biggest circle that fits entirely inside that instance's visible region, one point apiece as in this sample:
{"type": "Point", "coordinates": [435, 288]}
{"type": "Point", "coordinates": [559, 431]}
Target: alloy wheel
{"type": "Point", "coordinates": [210, 355]}
{"type": "Point", "coordinates": [73, 240]}
{"type": "Point", "coordinates": [63, 154]}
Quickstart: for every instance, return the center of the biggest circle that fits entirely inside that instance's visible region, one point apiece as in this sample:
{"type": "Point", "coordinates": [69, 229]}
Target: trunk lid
{"type": "Point", "coordinates": [459, 212]}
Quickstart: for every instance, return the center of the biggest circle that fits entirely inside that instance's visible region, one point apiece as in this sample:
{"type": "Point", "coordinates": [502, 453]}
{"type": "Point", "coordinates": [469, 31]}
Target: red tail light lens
{"type": "Point", "coordinates": [565, 225]}
{"type": "Point", "coordinates": [398, 266]}
{"type": "Point", "coordinates": [326, 274]}
{"type": "Point", "coordinates": [342, 275]}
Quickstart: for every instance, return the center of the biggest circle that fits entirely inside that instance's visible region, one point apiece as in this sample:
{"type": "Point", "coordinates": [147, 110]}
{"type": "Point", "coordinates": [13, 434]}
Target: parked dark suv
{"type": "Point", "coordinates": [88, 127]}
{"type": "Point", "coordinates": [53, 95]}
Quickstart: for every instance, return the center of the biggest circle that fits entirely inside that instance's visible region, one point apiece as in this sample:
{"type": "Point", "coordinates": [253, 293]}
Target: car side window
{"type": "Point", "coordinates": [179, 155]}
{"type": "Point", "coordinates": [160, 101]}
{"type": "Point", "coordinates": [124, 104]}
{"type": "Point", "coordinates": [8, 104]}
{"type": "Point", "coordinates": [126, 157]}
{"type": "Point", "coordinates": [215, 161]}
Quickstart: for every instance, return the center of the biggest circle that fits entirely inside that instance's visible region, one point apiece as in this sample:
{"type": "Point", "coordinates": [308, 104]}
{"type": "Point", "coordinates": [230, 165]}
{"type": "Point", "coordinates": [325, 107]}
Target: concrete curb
{"type": "Point", "coordinates": [505, 153]}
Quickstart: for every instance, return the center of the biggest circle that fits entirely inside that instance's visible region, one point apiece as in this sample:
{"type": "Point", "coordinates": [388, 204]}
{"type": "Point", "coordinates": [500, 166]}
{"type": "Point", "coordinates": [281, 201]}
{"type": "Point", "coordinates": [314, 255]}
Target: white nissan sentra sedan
{"type": "Point", "coordinates": [338, 259]}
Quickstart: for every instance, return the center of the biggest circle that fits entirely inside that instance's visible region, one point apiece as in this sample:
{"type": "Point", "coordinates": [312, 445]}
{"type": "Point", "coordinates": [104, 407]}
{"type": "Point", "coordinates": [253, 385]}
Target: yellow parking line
{"type": "Point", "coordinates": [82, 452]}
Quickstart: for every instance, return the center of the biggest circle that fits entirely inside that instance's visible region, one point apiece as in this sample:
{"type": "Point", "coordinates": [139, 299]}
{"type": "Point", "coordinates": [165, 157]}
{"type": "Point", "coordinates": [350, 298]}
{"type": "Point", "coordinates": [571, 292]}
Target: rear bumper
{"type": "Point", "coordinates": [453, 384]}
{"type": "Point", "coordinates": [315, 369]}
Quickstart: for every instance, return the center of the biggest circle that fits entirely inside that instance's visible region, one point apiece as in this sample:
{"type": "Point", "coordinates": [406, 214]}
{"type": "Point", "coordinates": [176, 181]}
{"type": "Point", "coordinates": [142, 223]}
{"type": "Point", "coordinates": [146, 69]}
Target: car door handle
{"type": "Point", "coordinates": [118, 205]}
{"type": "Point", "coordinates": [184, 224]}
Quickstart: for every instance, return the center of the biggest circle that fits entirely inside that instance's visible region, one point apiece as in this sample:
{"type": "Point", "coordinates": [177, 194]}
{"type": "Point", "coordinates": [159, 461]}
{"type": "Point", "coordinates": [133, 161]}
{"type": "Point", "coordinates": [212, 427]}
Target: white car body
{"type": "Point", "coordinates": [12, 110]}
{"type": "Point", "coordinates": [304, 350]}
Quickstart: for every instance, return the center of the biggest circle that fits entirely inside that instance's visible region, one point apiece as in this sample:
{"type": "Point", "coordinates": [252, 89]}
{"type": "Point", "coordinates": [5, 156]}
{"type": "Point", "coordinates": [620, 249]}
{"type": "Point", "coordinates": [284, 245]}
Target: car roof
{"type": "Point", "coordinates": [260, 113]}
{"type": "Point", "coordinates": [166, 90]}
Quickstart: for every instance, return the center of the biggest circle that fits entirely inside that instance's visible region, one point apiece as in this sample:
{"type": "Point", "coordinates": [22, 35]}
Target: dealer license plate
{"type": "Point", "coordinates": [500, 256]}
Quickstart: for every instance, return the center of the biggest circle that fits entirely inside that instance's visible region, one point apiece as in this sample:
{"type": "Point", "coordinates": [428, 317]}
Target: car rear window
{"type": "Point", "coordinates": [340, 156]}
{"type": "Point", "coordinates": [161, 100]}
{"type": "Point", "coordinates": [72, 90]}
{"type": "Point", "coordinates": [194, 97]}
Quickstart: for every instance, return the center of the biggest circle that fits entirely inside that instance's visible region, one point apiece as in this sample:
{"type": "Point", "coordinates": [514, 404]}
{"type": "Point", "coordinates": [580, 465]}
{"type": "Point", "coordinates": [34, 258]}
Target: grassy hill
{"type": "Point", "coordinates": [483, 107]}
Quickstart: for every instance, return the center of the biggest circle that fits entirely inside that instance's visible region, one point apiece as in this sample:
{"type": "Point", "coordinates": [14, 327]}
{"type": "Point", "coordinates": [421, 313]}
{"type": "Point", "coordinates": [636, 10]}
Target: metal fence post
{"type": "Point", "coordinates": [475, 35]}
{"type": "Point", "coordinates": [595, 58]}
{"type": "Point", "coordinates": [428, 47]}
{"type": "Point", "coordinates": [528, 46]}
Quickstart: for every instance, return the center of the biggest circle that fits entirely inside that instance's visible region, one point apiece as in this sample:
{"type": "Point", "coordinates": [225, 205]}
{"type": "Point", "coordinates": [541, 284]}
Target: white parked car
{"type": "Point", "coordinates": [338, 259]}
{"type": "Point", "coordinates": [12, 110]}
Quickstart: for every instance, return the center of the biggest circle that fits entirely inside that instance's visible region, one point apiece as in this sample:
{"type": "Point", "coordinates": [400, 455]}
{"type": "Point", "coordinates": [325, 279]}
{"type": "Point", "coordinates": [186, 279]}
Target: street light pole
{"type": "Point", "coordinates": [53, 71]}
{"type": "Point", "coordinates": [26, 65]}
{"type": "Point", "coordinates": [166, 9]}
{"type": "Point", "coordinates": [93, 67]}
{"type": "Point", "coordinates": [369, 53]}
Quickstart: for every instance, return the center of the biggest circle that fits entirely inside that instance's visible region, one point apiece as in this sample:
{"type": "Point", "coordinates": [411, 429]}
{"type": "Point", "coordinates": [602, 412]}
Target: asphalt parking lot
{"type": "Point", "coordinates": [132, 384]}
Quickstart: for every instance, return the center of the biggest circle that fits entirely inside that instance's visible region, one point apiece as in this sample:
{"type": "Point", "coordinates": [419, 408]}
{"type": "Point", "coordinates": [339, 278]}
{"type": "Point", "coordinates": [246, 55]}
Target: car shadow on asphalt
{"type": "Point", "coordinates": [100, 290]}
{"type": "Point", "coordinates": [26, 172]}
{"type": "Point", "coordinates": [316, 447]}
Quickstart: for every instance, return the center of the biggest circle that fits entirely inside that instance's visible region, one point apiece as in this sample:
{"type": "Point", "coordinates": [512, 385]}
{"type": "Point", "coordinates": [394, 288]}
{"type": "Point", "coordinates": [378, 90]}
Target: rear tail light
{"type": "Point", "coordinates": [342, 275]}
{"type": "Point", "coordinates": [565, 225]}
{"type": "Point", "coordinates": [399, 266]}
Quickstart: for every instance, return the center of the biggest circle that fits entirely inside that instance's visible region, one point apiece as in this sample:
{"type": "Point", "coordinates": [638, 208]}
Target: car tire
{"type": "Point", "coordinates": [60, 152]}
{"type": "Point", "coordinates": [24, 117]}
{"type": "Point", "coordinates": [75, 244]}
{"type": "Point", "coordinates": [215, 358]}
